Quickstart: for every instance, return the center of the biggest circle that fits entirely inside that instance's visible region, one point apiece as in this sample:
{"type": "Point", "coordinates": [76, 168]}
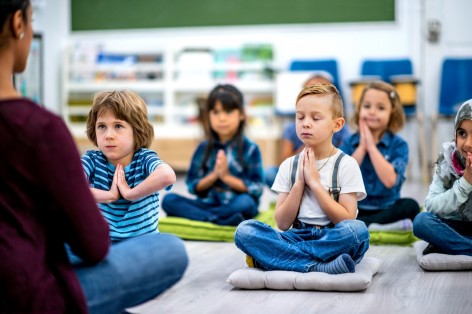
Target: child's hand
{"type": "Point", "coordinates": [366, 135]}
{"type": "Point", "coordinates": [362, 143]}
{"type": "Point", "coordinates": [123, 186]}
{"type": "Point", "coordinates": [310, 170]}
{"type": "Point", "coordinates": [114, 191]}
{"type": "Point", "coordinates": [468, 168]}
{"type": "Point", "coordinates": [301, 175]}
{"type": "Point", "coordinates": [221, 164]}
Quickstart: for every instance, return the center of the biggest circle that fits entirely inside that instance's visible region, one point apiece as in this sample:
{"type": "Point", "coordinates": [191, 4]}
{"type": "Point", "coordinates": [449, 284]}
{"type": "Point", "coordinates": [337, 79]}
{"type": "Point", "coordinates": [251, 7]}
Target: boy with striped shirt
{"type": "Point", "coordinates": [124, 175]}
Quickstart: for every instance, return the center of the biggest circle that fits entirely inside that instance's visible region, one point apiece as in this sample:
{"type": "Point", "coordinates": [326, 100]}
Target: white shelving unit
{"type": "Point", "coordinates": [170, 89]}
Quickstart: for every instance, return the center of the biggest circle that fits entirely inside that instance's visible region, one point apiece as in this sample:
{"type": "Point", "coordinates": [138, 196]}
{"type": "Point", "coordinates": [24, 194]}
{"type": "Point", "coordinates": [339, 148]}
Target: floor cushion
{"type": "Point", "coordinates": [253, 278]}
{"type": "Point", "coordinates": [437, 261]}
{"type": "Point", "coordinates": [207, 231]}
{"type": "Point", "coordinates": [392, 237]}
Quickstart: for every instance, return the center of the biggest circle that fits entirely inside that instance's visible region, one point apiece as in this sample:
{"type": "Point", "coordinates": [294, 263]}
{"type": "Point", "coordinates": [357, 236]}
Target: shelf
{"type": "Point", "coordinates": [231, 66]}
{"type": "Point", "coordinates": [172, 98]}
{"type": "Point", "coordinates": [204, 86]}
{"type": "Point", "coordinates": [118, 67]}
{"type": "Point", "coordinates": [138, 86]}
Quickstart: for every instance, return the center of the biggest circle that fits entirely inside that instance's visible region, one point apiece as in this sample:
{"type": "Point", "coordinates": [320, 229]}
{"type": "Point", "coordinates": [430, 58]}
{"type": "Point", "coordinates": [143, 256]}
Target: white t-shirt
{"type": "Point", "coordinates": [349, 180]}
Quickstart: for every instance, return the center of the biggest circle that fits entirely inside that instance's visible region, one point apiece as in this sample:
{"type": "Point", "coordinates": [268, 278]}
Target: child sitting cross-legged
{"type": "Point", "coordinates": [447, 224]}
{"type": "Point", "coordinates": [383, 158]}
{"type": "Point", "coordinates": [317, 217]}
{"type": "Point", "coordinates": [125, 176]}
{"type": "Point", "coordinates": [226, 174]}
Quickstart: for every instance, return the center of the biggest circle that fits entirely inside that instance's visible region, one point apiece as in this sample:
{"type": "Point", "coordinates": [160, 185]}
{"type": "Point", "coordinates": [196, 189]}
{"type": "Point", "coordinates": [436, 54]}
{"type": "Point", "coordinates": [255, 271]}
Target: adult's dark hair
{"type": "Point", "coordinates": [8, 7]}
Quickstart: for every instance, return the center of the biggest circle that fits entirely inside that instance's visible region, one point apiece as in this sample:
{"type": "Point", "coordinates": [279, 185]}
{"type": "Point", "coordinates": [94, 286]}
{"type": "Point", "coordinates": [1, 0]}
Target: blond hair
{"type": "Point", "coordinates": [125, 105]}
{"type": "Point", "coordinates": [397, 116]}
{"type": "Point", "coordinates": [325, 90]}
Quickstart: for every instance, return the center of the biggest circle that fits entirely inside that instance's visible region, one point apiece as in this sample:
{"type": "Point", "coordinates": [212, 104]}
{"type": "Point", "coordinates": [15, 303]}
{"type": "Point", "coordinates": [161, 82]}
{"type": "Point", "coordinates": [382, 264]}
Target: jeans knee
{"type": "Point", "coordinates": [245, 200]}
{"type": "Point", "coordinates": [246, 205]}
{"type": "Point", "coordinates": [179, 257]}
{"type": "Point", "coordinates": [245, 230]}
{"type": "Point", "coordinates": [245, 227]}
{"type": "Point", "coordinates": [168, 200]}
{"type": "Point", "coordinates": [357, 229]}
{"type": "Point", "coordinates": [420, 222]}
{"type": "Point", "coordinates": [412, 207]}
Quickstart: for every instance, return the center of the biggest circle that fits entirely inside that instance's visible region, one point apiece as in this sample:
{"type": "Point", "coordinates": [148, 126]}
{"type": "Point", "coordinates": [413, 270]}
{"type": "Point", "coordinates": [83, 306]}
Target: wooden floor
{"type": "Point", "coordinates": [401, 286]}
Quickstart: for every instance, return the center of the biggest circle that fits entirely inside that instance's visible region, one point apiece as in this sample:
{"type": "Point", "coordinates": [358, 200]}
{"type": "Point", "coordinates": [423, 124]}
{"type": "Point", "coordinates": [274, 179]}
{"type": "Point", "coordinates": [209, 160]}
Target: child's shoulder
{"type": "Point", "coordinates": [345, 160]}
{"type": "Point", "coordinates": [94, 154]}
{"type": "Point", "coordinates": [144, 153]}
{"type": "Point", "coordinates": [248, 141]}
{"type": "Point", "coordinates": [290, 161]}
{"type": "Point", "coordinates": [393, 138]}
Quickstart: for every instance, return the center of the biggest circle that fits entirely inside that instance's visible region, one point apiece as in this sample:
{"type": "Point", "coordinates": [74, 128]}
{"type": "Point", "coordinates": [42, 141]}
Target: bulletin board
{"type": "Point", "coordinates": [89, 15]}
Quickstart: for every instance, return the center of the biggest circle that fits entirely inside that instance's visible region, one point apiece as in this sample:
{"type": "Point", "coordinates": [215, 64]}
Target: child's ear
{"type": "Point", "coordinates": [338, 124]}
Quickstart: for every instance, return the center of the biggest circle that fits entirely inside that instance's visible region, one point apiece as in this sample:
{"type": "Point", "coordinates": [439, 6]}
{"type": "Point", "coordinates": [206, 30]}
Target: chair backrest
{"type": "Point", "coordinates": [388, 71]}
{"type": "Point", "coordinates": [329, 65]}
{"type": "Point", "coordinates": [385, 69]}
{"type": "Point", "coordinates": [456, 85]}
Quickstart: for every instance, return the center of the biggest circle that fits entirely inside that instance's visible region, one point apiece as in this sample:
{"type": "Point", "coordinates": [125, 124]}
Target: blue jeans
{"type": "Point", "coordinates": [180, 206]}
{"type": "Point", "coordinates": [300, 249]}
{"type": "Point", "coordinates": [135, 270]}
{"type": "Point", "coordinates": [450, 236]}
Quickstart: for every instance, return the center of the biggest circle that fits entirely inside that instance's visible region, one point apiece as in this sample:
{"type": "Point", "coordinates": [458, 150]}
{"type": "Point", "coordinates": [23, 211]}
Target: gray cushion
{"type": "Point", "coordinates": [253, 278]}
{"type": "Point", "coordinates": [436, 261]}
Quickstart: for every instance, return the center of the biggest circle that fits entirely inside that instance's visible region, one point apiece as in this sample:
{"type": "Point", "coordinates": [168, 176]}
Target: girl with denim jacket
{"type": "Point", "coordinates": [383, 158]}
{"type": "Point", "coordinates": [226, 172]}
{"type": "Point", "coordinates": [447, 224]}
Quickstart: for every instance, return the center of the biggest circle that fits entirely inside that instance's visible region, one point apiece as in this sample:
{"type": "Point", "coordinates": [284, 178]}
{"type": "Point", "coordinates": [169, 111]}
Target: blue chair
{"type": "Point", "coordinates": [456, 85]}
{"type": "Point", "coordinates": [329, 65]}
{"type": "Point", "coordinates": [385, 69]}
{"type": "Point", "coordinates": [455, 88]}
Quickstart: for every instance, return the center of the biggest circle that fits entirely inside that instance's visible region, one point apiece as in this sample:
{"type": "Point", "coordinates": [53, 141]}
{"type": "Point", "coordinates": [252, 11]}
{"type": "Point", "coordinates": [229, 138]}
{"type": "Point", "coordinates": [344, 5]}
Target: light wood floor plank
{"type": "Point", "coordinates": [401, 286]}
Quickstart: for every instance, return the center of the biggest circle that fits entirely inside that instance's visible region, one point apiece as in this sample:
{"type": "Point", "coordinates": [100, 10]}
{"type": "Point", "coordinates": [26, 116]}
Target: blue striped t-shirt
{"type": "Point", "coordinates": [126, 218]}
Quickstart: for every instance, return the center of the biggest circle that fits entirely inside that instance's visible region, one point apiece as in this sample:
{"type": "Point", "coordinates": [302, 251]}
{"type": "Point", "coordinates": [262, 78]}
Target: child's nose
{"type": "Point", "coordinates": [468, 142]}
{"type": "Point", "coordinates": [110, 133]}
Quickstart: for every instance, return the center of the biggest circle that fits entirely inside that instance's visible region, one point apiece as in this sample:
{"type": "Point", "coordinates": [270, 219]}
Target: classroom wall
{"type": "Point", "coordinates": [349, 43]}
{"type": "Point", "coordinates": [51, 18]}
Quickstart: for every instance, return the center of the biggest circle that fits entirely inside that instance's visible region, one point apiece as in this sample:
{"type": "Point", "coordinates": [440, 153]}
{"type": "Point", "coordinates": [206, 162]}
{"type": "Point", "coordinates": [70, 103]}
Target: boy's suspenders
{"type": "Point", "coordinates": [334, 190]}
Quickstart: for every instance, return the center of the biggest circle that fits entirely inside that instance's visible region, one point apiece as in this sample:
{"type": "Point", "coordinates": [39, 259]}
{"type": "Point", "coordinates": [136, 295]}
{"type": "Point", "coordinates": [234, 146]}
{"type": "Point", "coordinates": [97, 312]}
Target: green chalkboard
{"type": "Point", "coordinates": [132, 14]}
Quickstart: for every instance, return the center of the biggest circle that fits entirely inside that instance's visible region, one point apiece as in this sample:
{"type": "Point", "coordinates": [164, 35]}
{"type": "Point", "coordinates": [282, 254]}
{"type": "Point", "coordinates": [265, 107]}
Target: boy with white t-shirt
{"type": "Point", "coordinates": [318, 199]}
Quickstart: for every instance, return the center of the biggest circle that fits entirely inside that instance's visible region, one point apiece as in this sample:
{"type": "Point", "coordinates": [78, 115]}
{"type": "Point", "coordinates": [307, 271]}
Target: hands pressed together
{"type": "Point", "coordinates": [221, 165]}
{"type": "Point", "coordinates": [119, 186]}
{"type": "Point", "coordinates": [367, 141]}
{"type": "Point", "coordinates": [468, 168]}
{"type": "Point", "coordinates": [308, 173]}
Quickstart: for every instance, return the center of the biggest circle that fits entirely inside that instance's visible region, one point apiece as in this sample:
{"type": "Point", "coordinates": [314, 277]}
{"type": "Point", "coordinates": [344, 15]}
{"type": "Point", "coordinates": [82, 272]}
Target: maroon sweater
{"type": "Point", "coordinates": [44, 202]}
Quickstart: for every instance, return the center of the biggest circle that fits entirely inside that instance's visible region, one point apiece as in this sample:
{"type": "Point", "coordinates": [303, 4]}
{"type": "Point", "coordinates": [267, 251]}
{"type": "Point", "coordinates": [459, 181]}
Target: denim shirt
{"type": "Point", "coordinates": [395, 151]}
{"type": "Point", "coordinates": [250, 171]}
